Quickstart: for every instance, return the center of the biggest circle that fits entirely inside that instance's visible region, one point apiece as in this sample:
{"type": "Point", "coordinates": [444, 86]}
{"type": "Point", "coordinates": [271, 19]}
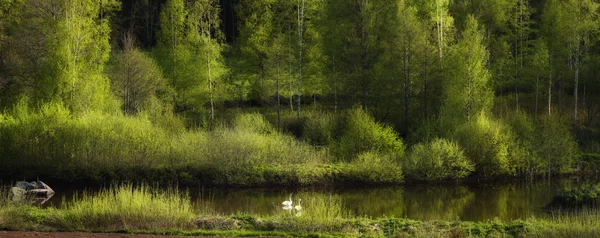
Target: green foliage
{"type": "Point", "coordinates": [467, 90]}
{"type": "Point", "coordinates": [486, 143]}
{"type": "Point", "coordinates": [137, 81]}
{"type": "Point", "coordinates": [371, 168]}
{"type": "Point", "coordinates": [363, 134]}
{"type": "Point", "coordinates": [437, 160]}
{"type": "Point", "coordinates": [127, 206]}
{"type": "Point", "coordinates": [522, 149]}
{"type": "Point", "coordinates": [190, 52]}
{"type": "Point", "coordinates": [319, 128]}
{"type": "Point", "coordinates": [253, 122]}
{"type": "Point", "coordinates": [321, 210]}
{"type": "Point", "coordinates": [556, 146]}
{"type": "Point", "coordinates": [78, 50]}
{"type": "Point", "coordinates": [587, 195]}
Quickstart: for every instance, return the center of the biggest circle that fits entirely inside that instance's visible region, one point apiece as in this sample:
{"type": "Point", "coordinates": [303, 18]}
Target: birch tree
{"type": "Point", "coordinates": [467, 90]}
{"type": "Point", "coordinates": [205, 37]}
{"type": "Point", "coordinates": [79, 50]}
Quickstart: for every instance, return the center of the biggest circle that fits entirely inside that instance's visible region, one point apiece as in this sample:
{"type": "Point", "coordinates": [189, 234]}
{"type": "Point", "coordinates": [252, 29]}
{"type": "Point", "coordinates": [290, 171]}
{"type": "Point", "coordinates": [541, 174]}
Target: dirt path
{"type": "Point", "coordinates": [15, 234]}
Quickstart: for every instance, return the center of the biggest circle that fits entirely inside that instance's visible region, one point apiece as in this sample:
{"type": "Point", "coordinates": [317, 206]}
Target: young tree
{"type": "Point", "coordinates": [569, 27]}
{"type": "Point", "coordinates": [135, 77]}
{"type": "Point", "coordinates": [540, 64]}
{"type": "Point", "coordinates": [355, 33]}
{"type": "Point", "coordinates": [78, 51]}
{"type": "Point", "coordinates": [256, 18]}
{"type": "Point", "coordinates": [467, 89]}
{"type": "Point", "coordinates": [190, 52]}
{"type": "Point", "coordinates": [206, 37]}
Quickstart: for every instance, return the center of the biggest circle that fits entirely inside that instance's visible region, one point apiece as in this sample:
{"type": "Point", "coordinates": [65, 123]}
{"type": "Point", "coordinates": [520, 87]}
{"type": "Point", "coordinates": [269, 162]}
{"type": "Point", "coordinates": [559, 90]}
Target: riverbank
{"type": "Point", "coordinates": [245, 225]}
{"type": "Point", "coordinates": [146, 210]}
{"type": "Point", "coordinates": [249, 151]}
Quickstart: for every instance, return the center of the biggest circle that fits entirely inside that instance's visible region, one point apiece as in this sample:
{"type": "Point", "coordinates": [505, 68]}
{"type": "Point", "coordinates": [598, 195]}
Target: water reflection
{"type": "Point", "coordinates": [468, 202]}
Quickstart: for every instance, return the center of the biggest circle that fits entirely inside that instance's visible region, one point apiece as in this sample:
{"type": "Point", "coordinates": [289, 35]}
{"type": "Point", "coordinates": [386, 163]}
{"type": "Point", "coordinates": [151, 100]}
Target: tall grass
{"type": "Point", "coordinates": [320, 212]}
{"type": "Point", "coordinates": [128, 207]}
{"type": "Point", "coordinates": [581, 223]}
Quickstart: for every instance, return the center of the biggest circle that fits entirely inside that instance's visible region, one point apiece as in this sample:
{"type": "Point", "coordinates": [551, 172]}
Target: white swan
{"type": "Point", "coordinates": [298, 207]}
{"type": "Point", "coordinates": [288, 202]}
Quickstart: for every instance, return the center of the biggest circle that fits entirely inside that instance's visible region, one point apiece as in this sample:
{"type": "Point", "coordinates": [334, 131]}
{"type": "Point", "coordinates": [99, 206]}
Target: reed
{"type": "Point", "coordinates": [127, 207]}
{"type": "Point", "coordinates": [581, 223]}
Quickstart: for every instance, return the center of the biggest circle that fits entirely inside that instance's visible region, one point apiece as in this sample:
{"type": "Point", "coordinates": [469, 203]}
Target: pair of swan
{"type": "Point", "coordinates": [287, 205]}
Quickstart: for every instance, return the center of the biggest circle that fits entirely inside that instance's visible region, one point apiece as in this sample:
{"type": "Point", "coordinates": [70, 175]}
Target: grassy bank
{"type": "Point", "coordinates": [141, 209]}
{"type": "Point", "coordinates": [246, 149]}
{"type": "Point", "coordinates": [54, 144]}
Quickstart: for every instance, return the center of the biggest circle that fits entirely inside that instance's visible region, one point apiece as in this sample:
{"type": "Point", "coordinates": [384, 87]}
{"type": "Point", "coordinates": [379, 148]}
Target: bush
{"type": "Point", "coordinates": [556, 146]}
{"type": "Point", "coordinates": [586, 195]}
{"type": "Point", "coordinates": [363, 134]}
{"type": "Point", "coordinates": [371, 167]}
{"type": "Point", "coordinates": [101, 147]}
{"type": "Point", "coordinates": [522, 149]}
{"type": "Point", "coordinates": [253, 122]}
{"type": "Point", "coordinates": [319, 128]}
{"type": "Point", "coordinates": [486, 143]}
{"type": "Point", "coordinates": [437, 160]}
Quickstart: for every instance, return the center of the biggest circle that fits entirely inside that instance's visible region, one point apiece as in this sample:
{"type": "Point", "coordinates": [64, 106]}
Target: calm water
{"type": "Point", "coordinates": [468, 202]}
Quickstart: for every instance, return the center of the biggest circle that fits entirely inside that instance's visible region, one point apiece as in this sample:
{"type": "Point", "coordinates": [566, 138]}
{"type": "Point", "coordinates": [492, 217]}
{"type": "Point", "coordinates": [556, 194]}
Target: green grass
{"type": "Point", "coordinates": [128, 207]}
{"type": "Point", "coordinates": [117, 207]}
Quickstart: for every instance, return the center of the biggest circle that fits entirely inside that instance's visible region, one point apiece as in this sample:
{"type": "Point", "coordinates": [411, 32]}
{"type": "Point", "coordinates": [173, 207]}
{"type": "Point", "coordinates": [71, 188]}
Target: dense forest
{"type": "Point", "coordinates": [253, 92]}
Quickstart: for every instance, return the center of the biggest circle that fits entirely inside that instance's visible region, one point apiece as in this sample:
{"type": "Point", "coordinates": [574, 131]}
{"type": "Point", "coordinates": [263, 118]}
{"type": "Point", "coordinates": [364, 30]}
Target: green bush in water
{"type": "Point", "coordinates": [586, 195]}
{"type": "Point", "coordinates": [437, 160]}
{"type": "Point", "coordinates": [486, 142]}
{"type": "Point", "coordinates": [363, 134]}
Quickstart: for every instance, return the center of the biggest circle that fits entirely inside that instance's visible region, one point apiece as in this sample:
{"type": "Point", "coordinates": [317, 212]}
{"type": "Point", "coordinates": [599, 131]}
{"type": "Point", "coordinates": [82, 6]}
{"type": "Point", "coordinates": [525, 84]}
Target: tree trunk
{"type": "Point", "coordinates": [278, 100]}
{"type": "Point", "coordinates": [335, 101]}
{"type": "Point", "coordinates": [291, 84]}
{"type": "Point", "coordinates": [550, 96]}
{"type": "Point", "coordinates": [575, 93]}
{"type": "Point", "coordinates": [440, 28]}
{"type": "Point", "coordinates": [300, 36]}
{"type": "Point", "coordinates": [469, 87]}
{"type": "Point", "coordinates": [537, 87]}
{"type": "Point", "coordinates": [212, 106]}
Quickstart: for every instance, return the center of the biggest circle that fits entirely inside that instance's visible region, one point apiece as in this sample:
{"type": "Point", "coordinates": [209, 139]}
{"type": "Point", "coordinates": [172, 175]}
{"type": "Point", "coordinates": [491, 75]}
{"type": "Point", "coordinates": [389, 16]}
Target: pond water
{"type": "Point", "coordinates": [508, 200]}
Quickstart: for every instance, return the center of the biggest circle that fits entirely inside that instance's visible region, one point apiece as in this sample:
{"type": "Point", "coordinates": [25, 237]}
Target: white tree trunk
{"type": "Point", "coordinates": [300, 38]}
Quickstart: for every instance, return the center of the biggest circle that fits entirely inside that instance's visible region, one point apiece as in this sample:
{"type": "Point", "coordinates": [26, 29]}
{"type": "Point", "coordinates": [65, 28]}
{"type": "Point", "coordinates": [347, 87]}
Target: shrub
{"type": "Point", "coordinates": [586, 195]}
{"type": "Point", "coordinates": [556, 146]}
{"type": "Point", "coordinates": [437, 160]}
{"type": "Point", "coordinates": [319, 128]}
{"type": "Point", "coordinates": [100, 147]}
{"type": "Point", "coordinates": [372, 167]}
{"type": "Point", "coordinates": [253, 122]}
{"type": "Point", "coordinates": [363, 134]}
{"type": "Point", "coordinates": [522, 149]}
{"type": "Point", "coordinates": [486, 143]}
